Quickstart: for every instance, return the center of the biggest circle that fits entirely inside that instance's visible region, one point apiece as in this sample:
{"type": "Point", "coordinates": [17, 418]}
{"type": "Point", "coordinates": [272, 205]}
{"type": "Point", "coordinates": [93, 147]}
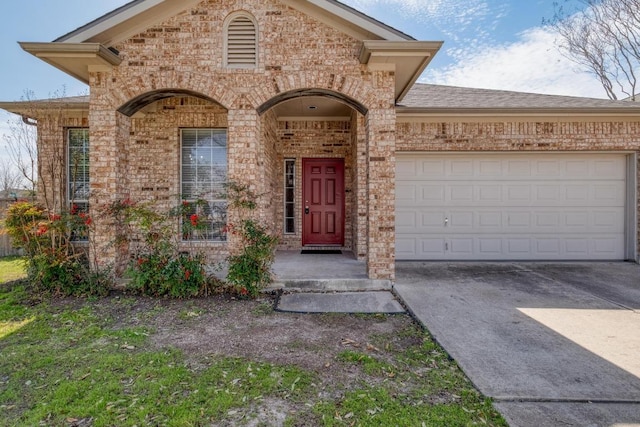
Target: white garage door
{"type": "Point", "coordinates": [510, 206]}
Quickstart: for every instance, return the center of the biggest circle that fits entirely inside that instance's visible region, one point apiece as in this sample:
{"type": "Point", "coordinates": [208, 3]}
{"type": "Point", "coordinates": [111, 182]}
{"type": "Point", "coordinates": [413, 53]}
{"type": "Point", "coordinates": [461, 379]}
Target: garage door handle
{"type": "Point", "coordinates": [446, 221]}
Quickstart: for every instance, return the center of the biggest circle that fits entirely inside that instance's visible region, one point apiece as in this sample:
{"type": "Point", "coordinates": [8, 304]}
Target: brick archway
{"type": "Point", "coordinates": [286, 96]}
{"type": "Point", "coordinates": [138, 103]}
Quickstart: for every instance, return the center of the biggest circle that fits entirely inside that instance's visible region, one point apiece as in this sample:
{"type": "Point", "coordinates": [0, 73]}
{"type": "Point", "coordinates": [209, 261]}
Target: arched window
{"type": "Point", "coordinates": [241, 41]}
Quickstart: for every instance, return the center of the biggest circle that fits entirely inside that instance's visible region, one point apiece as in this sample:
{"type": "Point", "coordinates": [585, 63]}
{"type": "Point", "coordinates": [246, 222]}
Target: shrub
{"type": "Point", "coordinates": [53, 262]}
{"type": "Point", "coordinates": [158, 267]}
{"type": "Point", "coordinates": [250, 267]}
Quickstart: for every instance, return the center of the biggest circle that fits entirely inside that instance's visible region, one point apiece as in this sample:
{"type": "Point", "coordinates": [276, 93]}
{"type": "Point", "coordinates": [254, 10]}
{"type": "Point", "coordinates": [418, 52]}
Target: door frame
{"type": "Point", "coordinates": [340, 161]}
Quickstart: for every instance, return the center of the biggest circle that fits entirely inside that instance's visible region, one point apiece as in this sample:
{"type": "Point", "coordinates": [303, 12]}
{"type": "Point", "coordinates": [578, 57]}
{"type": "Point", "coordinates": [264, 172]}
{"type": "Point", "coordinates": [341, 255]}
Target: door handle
{"type": "Point", "coordinates": [446, 221]}
{"type": "Point", "coordinates": [306, 210]}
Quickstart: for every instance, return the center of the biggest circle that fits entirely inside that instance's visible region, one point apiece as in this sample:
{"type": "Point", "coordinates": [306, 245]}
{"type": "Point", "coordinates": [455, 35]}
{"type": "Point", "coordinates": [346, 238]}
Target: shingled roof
{"type": "Point", "coordinates": [439, 98]}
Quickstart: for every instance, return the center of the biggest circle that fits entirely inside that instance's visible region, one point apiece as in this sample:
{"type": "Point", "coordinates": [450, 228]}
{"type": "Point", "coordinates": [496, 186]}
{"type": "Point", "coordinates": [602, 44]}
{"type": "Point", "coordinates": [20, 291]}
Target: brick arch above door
{"type": "Point", "coordinates": [326, 93]}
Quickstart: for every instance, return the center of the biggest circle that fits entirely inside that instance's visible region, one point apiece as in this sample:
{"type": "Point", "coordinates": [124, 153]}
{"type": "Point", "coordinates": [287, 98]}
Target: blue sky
{"type": "Point", "coordinates": [495, 44]}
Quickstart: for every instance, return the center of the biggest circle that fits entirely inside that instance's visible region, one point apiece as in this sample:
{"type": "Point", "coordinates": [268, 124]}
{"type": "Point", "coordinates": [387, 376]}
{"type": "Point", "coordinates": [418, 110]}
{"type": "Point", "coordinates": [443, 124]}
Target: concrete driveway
{"type": "Point", "coordinates": [554, 344]}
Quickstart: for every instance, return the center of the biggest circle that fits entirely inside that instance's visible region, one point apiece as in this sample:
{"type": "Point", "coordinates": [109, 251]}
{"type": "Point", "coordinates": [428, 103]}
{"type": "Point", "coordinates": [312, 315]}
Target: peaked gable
{"type": "Point", "coordinates": [138, 15]}
{"type": "Point", "coordinates": [94, 47]}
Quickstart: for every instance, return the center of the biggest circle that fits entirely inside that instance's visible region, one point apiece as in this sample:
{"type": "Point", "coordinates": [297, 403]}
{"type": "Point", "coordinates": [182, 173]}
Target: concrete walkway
{"type": "Point", "coordinates": [342, 302]}
{"type": "Point", "coordinates": [552, 344]}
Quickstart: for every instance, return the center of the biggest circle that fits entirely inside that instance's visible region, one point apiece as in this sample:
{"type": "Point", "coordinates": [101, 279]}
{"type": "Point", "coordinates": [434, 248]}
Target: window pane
{"type": "Point", "coordinates": [204, 174]}
{"type": "Point", "coordinates": [290, 226]}
{"type": "Point", "coordinates": [78, 177]}
{"type": "Point", "coordinates": [290, 210]}
{"type": "Point", "coordinates": [289, 196]}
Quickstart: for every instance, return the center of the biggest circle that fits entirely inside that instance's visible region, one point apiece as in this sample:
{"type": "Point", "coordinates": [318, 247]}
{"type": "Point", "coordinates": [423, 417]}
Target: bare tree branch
{"type": "Point", "coordinates": [10, 178]}
{"type": "Point", "coordinates": [603, 37]}
{"type": "Point", "coordinates": [21, 144]}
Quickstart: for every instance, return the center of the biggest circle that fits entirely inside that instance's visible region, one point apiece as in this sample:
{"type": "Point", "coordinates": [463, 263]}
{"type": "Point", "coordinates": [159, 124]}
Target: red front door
{"type": "Point", "coordinates": [323, 198]}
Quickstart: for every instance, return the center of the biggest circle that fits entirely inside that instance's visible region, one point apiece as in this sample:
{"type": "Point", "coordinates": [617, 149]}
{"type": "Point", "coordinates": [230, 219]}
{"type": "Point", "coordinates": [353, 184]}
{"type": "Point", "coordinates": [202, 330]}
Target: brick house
{"type": "Point", "coordinates": [315, 105]}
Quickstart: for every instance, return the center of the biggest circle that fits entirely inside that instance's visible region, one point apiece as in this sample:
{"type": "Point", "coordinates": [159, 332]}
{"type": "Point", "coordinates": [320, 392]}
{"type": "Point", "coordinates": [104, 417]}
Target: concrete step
{"type": "Point", "coordinates": [335, 285]}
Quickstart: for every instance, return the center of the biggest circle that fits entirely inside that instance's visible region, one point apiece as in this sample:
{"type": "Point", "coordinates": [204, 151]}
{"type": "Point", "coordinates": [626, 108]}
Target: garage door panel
{"type": "Point", "coordinates": [517, 194]}
{"type": "Point", "coordinates": [504, 206]}
{"type": "Point", "coordinates": [406, 193]}
{"type": "Point", "coordinates": [407, 168]}
{"type": "Point", "coordinates": [608, 194]}
{"type": "Point", "coordinates": [406, 248]}
{"type": "Point", "coordinates": [432, 220]}
{"type": "Point", "coordinates": [612, 168]}
{"type": "Point", "coordinates": [406, 221]}
{"type": "Point", "coordinates": [463, 246]}
{"type": "Point", "coordinates": [605, 246]}
{"type": "Point", "coordinates": [432, 194]}
{"type": "Point", "coordinates": [547, 168]}
{"type": "Point", "coordinates": [487, 220]}
{"type": "Point", "coordinates": [490, 168]}
{"type": "Point", "coordinates": [460, 168]}
{"type": "Point", "coordinates": [509, 248]}
{"type": "Point", "coordinates": [518, 168]}
{"type": "Point", "coordinates": [603, 221]}
{"type": "Point", "coordinates": [459, 194]}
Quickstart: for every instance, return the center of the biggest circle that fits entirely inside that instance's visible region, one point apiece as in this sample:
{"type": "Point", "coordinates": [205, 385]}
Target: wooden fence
{"type": "Point", "coordinates": [6, 249]}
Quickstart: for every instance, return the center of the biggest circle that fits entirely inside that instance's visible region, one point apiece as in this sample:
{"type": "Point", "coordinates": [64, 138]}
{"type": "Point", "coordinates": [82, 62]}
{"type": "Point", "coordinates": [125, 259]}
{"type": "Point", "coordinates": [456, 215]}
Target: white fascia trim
{"type": "Point", "coordinates": [358, 20]}
{"type": "Point", "coordinates": [104, 25]}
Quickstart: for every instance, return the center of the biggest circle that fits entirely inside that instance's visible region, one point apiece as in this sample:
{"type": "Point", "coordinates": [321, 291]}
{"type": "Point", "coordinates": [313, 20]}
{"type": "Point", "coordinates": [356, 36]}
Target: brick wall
{"type": "Point", "coordinates": [185, 54]}
{"type": "Point", "coordinates": [518, 135]}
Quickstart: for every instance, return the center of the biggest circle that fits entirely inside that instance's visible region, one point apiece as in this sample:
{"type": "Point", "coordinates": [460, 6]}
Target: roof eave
{"type": "Point", "coordinates": [408, 59]}
{"type": "Point", "coordinates": [348, 19]}
{"type": "Point", "coordinates": [36, 109]}
{"type": "Point", "coordinates": [75, 59]}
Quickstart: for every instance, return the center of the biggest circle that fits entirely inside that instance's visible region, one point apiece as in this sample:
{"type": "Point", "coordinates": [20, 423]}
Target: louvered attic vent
{"type": "Point", "coordinates": [241, 43]}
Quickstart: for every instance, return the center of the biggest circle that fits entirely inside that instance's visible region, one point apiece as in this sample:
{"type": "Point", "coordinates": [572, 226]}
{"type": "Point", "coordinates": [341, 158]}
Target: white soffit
{"type": "Point", "coordinates": [408, 59]}
{"type": "Point", "coordinates": [75, 59]}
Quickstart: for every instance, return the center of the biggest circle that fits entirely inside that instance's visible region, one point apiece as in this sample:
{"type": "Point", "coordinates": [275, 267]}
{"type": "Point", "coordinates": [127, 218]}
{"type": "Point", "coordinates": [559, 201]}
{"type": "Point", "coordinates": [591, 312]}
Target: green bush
{"type": "Point", "coordinates": [177, 276]}
{"type": "Point", "coordinates": [250, 267]}
{"type": "Point", "coordinates": [53, 263]}
{"type": "Point", "coordinates": [158, 267]}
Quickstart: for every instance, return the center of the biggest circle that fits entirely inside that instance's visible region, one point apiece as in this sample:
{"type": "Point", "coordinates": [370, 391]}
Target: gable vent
{"type": "Point", "coordinates": [241, 43]}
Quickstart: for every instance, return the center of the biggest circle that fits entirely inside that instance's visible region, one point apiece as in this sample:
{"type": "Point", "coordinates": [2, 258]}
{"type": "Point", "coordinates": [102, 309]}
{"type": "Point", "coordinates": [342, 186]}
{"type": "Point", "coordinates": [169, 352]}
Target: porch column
{"type": "Point", "coordinates": [108, 141]}
{"type": "Point", "coordinates": [381, 141]}
{"type": "Point", "coordinates": [246, 167]}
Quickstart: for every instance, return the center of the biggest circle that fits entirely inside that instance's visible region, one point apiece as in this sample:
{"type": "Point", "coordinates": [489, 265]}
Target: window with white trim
{"type": "Point", "coordinates": [204, 175]}
{"type": "Point", "coordinates": [78, 176]}
{"type": "Point", "coordinates": [241, 41]}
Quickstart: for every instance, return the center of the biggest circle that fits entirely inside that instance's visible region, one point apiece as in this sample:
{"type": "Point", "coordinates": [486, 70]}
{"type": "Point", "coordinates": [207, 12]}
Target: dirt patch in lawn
{"type": "Point", "coordinates": [238, 363]}
{"type": "Point", "coordinates": [253, 330]}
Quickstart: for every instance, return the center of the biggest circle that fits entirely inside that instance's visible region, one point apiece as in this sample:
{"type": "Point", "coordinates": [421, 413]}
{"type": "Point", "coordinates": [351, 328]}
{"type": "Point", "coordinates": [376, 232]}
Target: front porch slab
{"type": "Point", "coordinates": [323, 272]}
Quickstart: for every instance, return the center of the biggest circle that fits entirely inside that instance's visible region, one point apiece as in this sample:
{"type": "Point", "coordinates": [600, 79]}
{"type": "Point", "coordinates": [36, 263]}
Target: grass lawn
{"type": "Point", "coordinates": [11, 268]}
{"type": "Point", "coordinates": [125, 361]}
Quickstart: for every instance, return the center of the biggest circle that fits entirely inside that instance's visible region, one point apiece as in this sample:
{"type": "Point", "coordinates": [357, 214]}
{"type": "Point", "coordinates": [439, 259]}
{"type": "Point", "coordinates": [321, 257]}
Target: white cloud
{"type": "Point", "coordinates": [451, 17]}
{"type": "Point", "coordinates": [531, 64]}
